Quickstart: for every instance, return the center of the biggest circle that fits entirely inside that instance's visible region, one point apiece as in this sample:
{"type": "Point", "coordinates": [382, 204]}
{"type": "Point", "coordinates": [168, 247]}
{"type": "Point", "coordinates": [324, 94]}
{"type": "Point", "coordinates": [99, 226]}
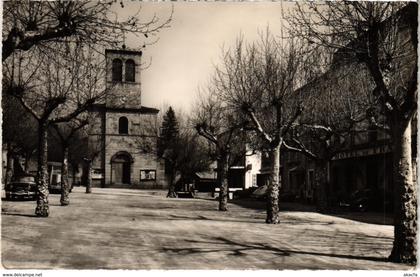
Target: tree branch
{"type": "Point", "coordinates": [23, 41]}
{"type": "Point", "coordinates": [28, 108]}
{"type": "Point", "coordinates": [314, 127]}
{"type": "Point", "coordinates": [258, 126]}
{"type": "Point", "coordinates": [374, 123]}
{"type": "Point", "coordinates": [302, 149]}
{"type": "Point", "coordinates": [204, 133]}
{"type": "Point", "coordinates": [76, 112]}
{"type": "Point", "coordinates": [285, 129]}
{"type": "Point", "coordinates": [410, 102]}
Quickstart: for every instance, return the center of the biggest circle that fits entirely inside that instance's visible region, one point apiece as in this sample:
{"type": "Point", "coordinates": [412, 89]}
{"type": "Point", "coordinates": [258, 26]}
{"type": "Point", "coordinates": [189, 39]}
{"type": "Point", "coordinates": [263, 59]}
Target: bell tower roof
{"type": "Point", "coordinates": [124, 51]}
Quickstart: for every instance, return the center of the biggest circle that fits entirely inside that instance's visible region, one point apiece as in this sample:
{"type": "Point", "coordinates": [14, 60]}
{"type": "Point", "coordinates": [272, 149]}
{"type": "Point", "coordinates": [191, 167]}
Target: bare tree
{"type": "Point", "coordinates": [94, 149]}
{"type": "Point", "coordinates": [383, 37]}
{"type": "Point", "coordinates": [66, 133]}
{"type": "Point", "coordinates": [258, 80]}
{"type": "Point", "coordinates": [216, 123]}
{"type": "Point", "coordinates": [54, 89]}
{"type": "Point", "coordinates": [191, 156]}
{"type": "Point", "coordinates": [33, 23]}
{"type": "Point", "coordinates": [88, 146]}
{"type": "Point", "coordinates": [177, 144]}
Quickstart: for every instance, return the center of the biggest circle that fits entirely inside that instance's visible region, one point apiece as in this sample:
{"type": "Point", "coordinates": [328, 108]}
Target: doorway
{"type": "Point", "coordinates": [121, 168]}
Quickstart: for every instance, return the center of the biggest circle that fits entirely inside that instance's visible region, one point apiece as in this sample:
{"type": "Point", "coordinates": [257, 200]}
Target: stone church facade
{"type": "Point", "coordinates": [122, 132]}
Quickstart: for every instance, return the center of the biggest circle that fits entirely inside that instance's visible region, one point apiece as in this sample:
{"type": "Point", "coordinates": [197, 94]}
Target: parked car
{"type": "Point", "coordinates": [21, 189]}
{"type": "Point", "coordinates": [260, 193]}
{"type": "Point", "coordinates": [246, 193]}
{"type": "Point", "coordinates": [288, 197]}
{"type": "Point", "coordinates": [368, 200]}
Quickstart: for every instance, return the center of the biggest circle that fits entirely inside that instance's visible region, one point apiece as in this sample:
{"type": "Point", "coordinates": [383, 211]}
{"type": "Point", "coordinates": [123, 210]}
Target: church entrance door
{"type": "Point", "coordinates": [121, 168]}
{"type": "Point", "coordinates": [126, 168]}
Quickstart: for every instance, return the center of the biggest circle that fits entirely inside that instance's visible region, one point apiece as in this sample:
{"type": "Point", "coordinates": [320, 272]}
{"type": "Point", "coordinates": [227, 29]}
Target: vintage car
{"type": "Point", "coordinates": [23, 188]}
{"type": "Point", "coordinates": [369, 200]}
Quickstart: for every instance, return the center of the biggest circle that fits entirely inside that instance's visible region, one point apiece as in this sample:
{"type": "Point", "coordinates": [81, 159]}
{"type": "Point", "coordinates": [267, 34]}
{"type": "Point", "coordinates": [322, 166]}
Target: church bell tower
{"type": "Point", "coordinates": [123, 78]}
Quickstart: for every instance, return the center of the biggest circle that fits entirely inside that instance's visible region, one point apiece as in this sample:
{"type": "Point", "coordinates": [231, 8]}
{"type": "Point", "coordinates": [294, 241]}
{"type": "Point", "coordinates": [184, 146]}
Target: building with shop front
{"type": "Point", "coordinates": [364, 163]}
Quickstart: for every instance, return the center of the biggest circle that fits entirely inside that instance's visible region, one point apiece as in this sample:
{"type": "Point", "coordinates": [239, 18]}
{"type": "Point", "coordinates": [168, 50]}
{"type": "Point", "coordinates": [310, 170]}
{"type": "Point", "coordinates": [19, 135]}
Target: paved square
{"type": "Point", "coordinates": [134, 229]}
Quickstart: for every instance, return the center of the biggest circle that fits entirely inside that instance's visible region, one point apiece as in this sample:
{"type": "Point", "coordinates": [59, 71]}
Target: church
{"type": "Point", "coordinates": [123, 133]}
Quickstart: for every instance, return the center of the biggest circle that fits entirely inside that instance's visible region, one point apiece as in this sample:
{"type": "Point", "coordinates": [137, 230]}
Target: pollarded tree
{"type": "Point", "coordinates": [87, 145]}
{"type": "Point", "coordinates": [66, 133]}
{"type": "Point", "coordinates": [258, 80]}
{"type": "Point", "coordinates": [217, 124]}
{"type": "Point", "coordinates": [54, 88]}
{"type": "Point", "coordinates": [33, 23]}
{"type": "Point", "coordinates": [383, 37]}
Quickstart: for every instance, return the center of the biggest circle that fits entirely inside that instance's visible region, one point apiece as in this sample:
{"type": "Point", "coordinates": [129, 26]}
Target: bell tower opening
{"type": "Point", "coordinates": [123, 78]}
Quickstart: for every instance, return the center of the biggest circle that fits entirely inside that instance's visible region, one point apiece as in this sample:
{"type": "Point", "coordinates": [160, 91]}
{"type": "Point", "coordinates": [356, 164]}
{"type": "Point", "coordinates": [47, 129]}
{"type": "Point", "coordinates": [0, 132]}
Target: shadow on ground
{"type": "Point", "coordinates": [19, 214]}
{"type": "Point", "coordinates": [220, 244]}
{"type": "Point", "coordinates": [365, 217]}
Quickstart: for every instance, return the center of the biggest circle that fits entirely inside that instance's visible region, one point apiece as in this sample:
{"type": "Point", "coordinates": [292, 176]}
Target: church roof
{"type": "Point", "coordinates": [142, 109]}
{"type": "Point", "coordinates": [124, 51]}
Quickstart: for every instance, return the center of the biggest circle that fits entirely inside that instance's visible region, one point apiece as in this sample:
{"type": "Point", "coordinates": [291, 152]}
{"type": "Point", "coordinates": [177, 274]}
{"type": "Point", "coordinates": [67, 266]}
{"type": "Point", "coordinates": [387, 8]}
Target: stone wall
{"type": "Point", "coordinates": [138, 124]}
{"type": "Point", "coordinates": [140, 143]}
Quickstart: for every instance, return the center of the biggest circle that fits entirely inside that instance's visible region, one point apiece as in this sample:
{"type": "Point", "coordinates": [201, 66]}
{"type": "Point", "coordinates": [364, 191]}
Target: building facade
{"type": "Point", "coordinates": [123, 133]}
{"type": "Point", "coordinates": [363, 165]}
{"type": "Point", "coordinates": [242, 174]}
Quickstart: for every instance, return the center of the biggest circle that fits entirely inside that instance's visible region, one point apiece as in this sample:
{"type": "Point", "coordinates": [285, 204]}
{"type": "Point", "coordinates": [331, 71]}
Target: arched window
{"type": "Point", "coordinates": [130, 71]}
{"type": "Point", "coordinates": [123, 125]}
{"type": "Point", "coordinates": [117, 70]}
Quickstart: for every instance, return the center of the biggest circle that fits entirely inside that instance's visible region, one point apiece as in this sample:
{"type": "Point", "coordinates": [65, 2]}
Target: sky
{"type": "Point", "coordinates": [185, 54]}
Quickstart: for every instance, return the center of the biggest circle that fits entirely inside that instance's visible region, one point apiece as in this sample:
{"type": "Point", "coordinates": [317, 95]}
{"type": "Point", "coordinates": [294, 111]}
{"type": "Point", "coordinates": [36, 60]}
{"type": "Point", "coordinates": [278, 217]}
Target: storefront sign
{"type": "Point", "coordinates": [362, 152]}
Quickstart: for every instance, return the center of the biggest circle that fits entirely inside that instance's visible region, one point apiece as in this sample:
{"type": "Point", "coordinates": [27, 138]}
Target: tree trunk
{"type": "Point", "coordinates": [73, 173]}
{"type": "Point", "coordinates": [171, 188]}
{"type": "Point", "coordinates": [28, 156]}
{"type": "Point", "coordinates": [89, 176]}
{"type": "Point", "coordinates": [223, 168]}
{"type": "Point", "coordinates": [273, 187]}
{"type": "Point", "coordinates": [405, 207]}
{"type": "Point", "coordinates": [322, 184]}
{"type": "Point", "coordinates": [18, 169]}
{"type": "Point", "coordinates": [9, 165]}
{"type": "Point", "coordinates": [64, 200]}
{"type": "Point", "coordinates": [42, 209]}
